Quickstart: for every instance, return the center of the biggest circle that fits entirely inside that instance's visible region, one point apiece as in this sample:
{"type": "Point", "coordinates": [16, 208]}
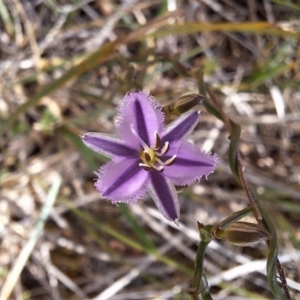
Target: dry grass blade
{"type": "Point", "coordinates": [25, 253]}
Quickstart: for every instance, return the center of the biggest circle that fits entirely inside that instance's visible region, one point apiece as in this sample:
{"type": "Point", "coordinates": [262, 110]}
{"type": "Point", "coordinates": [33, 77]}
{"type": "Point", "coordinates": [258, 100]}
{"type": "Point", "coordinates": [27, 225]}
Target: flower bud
{"type": "Point", "coordinates": [242, 234]}
{"type": "Point", "coordinates": [187, 102]}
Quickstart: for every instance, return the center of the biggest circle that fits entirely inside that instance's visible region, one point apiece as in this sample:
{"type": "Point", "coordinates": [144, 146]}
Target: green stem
{"type": "Point", "coordinates": [200, 284]}
{"type": "Point", "coordinates": [199, 266]}
{"type": "Point", "coordinates": [261, 216]}
{"type": "Point", "coordinates": [272, 260]}
{"type": "Point", "coordinates": [235, 217]}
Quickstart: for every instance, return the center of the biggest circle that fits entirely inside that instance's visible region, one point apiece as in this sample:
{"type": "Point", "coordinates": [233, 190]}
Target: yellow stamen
{"type": "Point", "coordinates": [145, 167]}
{"type": "Point", "coordinates": [169, 161]}
{"type": "Point", "coordinates": [150, 156]}
{"type": "Point", "coordinates": [157, 168]}
{"type": "Point", "coordinates": [164, 149]}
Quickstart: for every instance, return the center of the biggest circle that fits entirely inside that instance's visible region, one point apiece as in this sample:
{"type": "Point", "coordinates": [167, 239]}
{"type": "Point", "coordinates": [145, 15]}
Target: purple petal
{"type": "Point", "coordinates": [143, 114]}
{"type": "Point", "coordinates": [106, 144]}
{"type": "Point", "coordinates": [164, 196]}
{"type": "Point", "coordinates": [189, 165]}
{"type": "Point", "coordinates": [124, 181]}
{"type": "Point", "coordinates": [181, 127]}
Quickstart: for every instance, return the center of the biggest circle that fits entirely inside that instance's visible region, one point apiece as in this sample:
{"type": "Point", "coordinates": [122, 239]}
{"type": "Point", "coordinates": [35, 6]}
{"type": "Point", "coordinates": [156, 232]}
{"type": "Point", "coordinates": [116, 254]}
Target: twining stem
{"type": "Point", "coordinates": [253, 201]}
{"type": "Point", "coordinates": [283, 280]}
{"type": "Point", "coordinates": [200, 283]}
{"type": "Point", "coordinates": [220, 110]}
{"type": "Point", "coordinates": [261, 217]}
{"type": "Point", "coordinates": [273, 263]}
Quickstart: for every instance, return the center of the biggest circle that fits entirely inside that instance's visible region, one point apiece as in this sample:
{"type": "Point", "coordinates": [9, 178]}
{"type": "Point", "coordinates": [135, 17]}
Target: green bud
{"type": "Point", "coordinates": [182, 105]}
{"type": "Point", "coordinates": [187, 102]}
{"type": "Point", "coordinates": [242, 234]}
{"type": "Point", "coordinates": [206, 235]}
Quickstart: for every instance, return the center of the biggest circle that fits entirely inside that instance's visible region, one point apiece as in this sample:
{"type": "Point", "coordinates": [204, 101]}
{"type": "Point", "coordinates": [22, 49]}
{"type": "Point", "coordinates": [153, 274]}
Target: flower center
{"type": "Point", "coordinates": [150, 157]}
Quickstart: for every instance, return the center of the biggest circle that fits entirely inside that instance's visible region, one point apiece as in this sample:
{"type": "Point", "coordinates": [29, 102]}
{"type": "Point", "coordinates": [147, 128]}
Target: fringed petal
{"type": "Point", "coordinates": [140, 113]}
{"type": "Point", "coordinates": [107, 145]}
{"type": "Point", "coordinates": [181, 127]}
{"type": "Point", "coordinates": [190, 164]}
{"type": "Point", "coordinates": [124, 181]}
{"type": "Point", "coordinates": [164, 196]}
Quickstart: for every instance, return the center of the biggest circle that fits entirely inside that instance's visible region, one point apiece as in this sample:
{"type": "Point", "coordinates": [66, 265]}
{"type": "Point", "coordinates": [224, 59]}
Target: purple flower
{"type": "Point", "coordinates": [149, 156]}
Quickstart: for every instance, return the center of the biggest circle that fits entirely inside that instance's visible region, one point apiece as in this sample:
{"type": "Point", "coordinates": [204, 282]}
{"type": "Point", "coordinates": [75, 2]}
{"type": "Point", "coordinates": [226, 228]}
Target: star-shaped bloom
{"type": "Point", "coordinates": [149, 156]}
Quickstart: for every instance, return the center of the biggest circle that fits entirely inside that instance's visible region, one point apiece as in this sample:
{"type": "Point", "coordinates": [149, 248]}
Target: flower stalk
{"type": "Point", "coordinates": [200, 285]}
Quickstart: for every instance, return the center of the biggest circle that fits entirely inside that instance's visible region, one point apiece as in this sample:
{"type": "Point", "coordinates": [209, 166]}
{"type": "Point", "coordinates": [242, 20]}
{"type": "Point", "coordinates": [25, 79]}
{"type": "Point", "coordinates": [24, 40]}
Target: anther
{"type": "Point", "coordinates": [165, 148]}
{"type": "Point", "coordinates": [157, 168]}
{"type": "Point", "coordinates": [169, 161]}
{"type": "Point", "coordinates": [157, 141]}
{"type": "Point", "coordinates": [145, 167]}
